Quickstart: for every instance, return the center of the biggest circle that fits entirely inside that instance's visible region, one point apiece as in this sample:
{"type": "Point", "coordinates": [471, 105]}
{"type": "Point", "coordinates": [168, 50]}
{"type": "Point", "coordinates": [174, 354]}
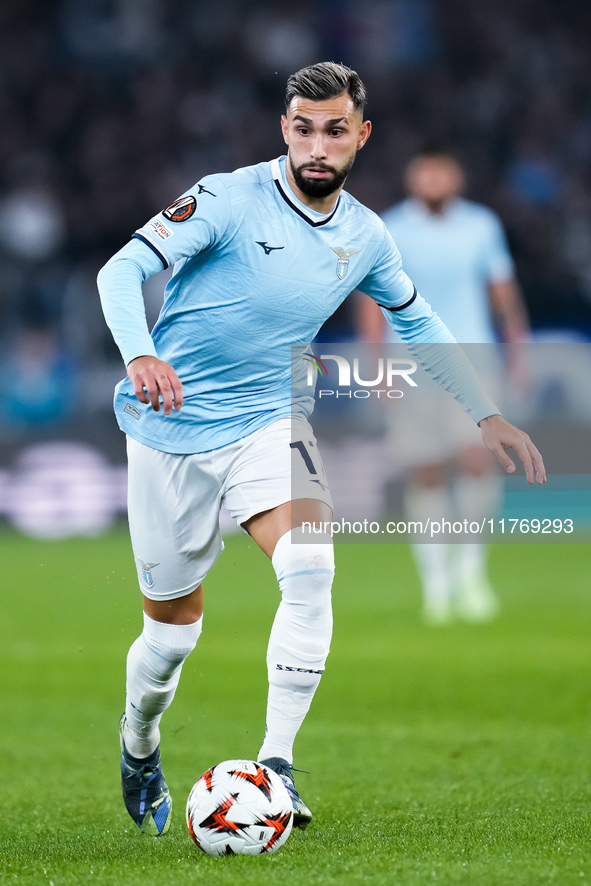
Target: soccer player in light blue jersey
{"type": "Point", "coordinates": [456, 253]}
{"type": "Point", "coordinates": [261, 258]}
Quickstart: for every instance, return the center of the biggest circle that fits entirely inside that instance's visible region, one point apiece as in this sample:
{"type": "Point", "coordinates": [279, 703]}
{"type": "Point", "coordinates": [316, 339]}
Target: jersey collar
{"type": "Point", "coordinates": [418, 209]}
{"type": "Point", "coordinates": [315, 219]}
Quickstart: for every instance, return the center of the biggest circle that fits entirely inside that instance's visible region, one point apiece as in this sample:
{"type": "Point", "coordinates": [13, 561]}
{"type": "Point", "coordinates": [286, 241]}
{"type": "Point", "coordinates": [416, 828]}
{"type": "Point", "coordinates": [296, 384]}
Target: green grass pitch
{"type": "Point", "coordinates": [455, 755]}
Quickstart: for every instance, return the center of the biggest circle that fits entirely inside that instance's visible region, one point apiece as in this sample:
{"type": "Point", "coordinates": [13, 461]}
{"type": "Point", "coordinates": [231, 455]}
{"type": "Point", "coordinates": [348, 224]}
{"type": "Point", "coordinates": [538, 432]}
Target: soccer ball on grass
{"type": "Point", "coordinates": [239, 807]}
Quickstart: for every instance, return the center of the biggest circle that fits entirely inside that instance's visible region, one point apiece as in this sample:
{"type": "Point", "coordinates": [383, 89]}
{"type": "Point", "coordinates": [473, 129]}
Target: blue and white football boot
{"type": "Point", "coordinates": [302, 816]}
{"type": "Point", "coordinates": [145, 792]}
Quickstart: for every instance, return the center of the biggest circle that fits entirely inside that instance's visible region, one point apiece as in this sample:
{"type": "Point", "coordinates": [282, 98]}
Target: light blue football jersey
{"type": "Point", "coordinates": [255, 271]}
{"type": "Point", "coordinates": [451, 258]}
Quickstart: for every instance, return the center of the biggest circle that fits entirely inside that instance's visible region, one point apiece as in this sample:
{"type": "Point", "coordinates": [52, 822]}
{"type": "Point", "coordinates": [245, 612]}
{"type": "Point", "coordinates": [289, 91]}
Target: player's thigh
{"type": "Point", "coordinates": [173, 510]}
{"type": "Point", "coordinates": [476, 461]}
{"type": "Point", "coordinates": [280, 463]}
{"type": "Point", "coordinates": [430, 429]}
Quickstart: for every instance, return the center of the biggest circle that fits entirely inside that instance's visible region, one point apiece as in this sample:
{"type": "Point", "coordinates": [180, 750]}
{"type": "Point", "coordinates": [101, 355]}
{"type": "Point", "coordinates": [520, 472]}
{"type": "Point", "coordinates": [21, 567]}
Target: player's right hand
{"type": "Point", "coordinates": [152, 379]}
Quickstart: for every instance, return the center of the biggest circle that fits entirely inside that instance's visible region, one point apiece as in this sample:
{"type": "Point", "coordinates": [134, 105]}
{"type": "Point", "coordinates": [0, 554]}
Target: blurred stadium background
{"type": "Point", "coordinates": [466, 749]}
{"type": "Point", "coordinates": [111, 108]}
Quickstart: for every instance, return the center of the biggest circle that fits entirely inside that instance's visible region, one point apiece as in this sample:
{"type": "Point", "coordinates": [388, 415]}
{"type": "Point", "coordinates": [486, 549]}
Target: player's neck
{"type": "Point", "coordinates": [323, 205]}
{"type": "Point", "coordinates": [437, 207]}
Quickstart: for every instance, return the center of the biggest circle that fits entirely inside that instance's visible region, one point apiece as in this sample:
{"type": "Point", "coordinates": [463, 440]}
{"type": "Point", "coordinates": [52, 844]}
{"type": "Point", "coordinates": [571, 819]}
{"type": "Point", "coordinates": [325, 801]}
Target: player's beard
{"type": "Point", "coordinates": [318, 188]}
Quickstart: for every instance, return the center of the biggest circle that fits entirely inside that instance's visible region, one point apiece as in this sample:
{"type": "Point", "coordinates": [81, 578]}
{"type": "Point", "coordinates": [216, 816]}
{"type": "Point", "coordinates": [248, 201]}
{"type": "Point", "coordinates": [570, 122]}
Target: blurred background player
{"type": "Point", "coordinates": [456, 252]}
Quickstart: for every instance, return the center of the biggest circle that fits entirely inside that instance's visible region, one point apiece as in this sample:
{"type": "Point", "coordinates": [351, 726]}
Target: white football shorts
{"type": "Point", "coordinates": [174, 500]}
{"type": "Point", "coordinates": [434, 428]}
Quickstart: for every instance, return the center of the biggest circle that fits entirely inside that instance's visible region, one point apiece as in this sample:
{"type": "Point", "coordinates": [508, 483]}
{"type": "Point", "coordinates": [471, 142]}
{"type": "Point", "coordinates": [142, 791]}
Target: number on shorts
{"type": "Point", "coordinates": [301, 447]}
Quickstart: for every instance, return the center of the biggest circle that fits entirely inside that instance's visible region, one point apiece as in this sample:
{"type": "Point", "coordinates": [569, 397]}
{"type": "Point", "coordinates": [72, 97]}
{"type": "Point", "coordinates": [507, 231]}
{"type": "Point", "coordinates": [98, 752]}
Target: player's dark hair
{"type": "Point", "coordinates": [435, 149]}
{"type": "Point", "coordinates": [326, 80]}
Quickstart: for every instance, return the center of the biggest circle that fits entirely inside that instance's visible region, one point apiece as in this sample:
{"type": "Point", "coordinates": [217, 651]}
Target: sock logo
{"type": "Point", "coordinates": [281, 667]}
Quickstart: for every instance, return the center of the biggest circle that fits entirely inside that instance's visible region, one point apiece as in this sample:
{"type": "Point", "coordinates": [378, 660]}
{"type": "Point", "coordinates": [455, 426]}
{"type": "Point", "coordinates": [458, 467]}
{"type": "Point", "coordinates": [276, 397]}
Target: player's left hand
{"type": "Point", "coordinates": [498, 435]}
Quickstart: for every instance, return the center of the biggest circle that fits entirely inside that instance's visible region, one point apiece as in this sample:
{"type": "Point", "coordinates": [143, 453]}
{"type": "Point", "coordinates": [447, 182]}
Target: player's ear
{"type": "Point", "coordinates": [284, 128]}
{"type": "Point", "coordinates": [364, 133]}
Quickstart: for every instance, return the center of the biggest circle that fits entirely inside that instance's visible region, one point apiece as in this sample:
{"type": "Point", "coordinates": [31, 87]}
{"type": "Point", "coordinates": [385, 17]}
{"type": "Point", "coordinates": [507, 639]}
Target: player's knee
{"type": "Point", "coordinates": [171, 642]}
{"type": "Point", "coordinates": [304, 571]}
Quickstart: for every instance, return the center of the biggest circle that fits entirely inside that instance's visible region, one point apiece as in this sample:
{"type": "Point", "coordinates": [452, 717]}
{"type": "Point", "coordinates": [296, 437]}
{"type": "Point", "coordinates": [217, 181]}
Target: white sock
{"type": "Point", "coordinates": [433, 566]}
{"type": "Point", "coordinates": [300, 638]}
{"type": "Point", "coordinates": [470, 563]}
{"type": "Point", "coordinates": [475, 599]}
{"type": "Point", "coordinates": [477, 498]}
{"type": "Point", "coordinates": [431, 558]}
{"type": "Point", "coordinates": [154, 664]}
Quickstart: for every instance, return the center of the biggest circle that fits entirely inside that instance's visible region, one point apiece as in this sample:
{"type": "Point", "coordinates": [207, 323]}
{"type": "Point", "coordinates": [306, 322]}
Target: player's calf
{"type": "Point", "coordinates": [300, 638]}
{"type": "Point", "coordinates": [154, 666]}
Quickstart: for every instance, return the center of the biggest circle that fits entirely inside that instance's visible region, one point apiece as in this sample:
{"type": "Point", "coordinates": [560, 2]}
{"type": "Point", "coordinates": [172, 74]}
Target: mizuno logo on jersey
{"type": "Point", "coordinates": [268, 249]}
{"type": "Point", "coordinates": [343, 262]}
{"type": "Point", "coordinates": [203, 190]}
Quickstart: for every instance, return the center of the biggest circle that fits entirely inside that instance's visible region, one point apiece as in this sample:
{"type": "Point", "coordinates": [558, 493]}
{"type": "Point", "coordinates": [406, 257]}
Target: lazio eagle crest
{"type": "Point", "coordinates": [343, 262]}
{"type": "Point", "coordinates": [147, 573]}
